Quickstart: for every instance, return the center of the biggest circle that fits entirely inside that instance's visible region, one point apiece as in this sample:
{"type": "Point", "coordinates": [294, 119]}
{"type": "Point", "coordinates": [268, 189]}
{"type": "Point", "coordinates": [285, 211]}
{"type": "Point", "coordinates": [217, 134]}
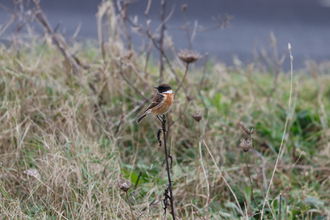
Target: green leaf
{"type": "Point", "coordinates": [248, 194]}
{"type": "Point", "coordinates": [5, 192]}
{"type": "Point", "coordinates": [314, 201]}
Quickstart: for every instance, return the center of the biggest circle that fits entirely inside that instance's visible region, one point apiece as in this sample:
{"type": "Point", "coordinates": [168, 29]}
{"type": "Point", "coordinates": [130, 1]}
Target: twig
{"type": "Point", "coordinates": [43, 20]}
{"type": "Point", "coordinates": [184, 9]}
{"type": "Point", "coordinates": [123, 12]}
{"type": "Point", "coordinates": [207, 181]}
{"type": "Point", "coordinates": [161, 40]}
{"type": "Point", "coordinates": [196, 211]}
{"type": "Point", "coordinates": [137, 181]}
{"type": "Point", "coordinates": [248, 171]}
{"type": "Point", "coordinates": [167, 169]}
{"type": "Point", "coordinates": [227, 184]}
{"type": "Point", "coordinates": [283, 136]}
{"type": "Point", "coordinates": [185, 74]}
{"type": "Point", "coordinates": [222, 23]}
{"type": "Point", "coordinates": [180, 116]}
{"type": "Point", "coordinates": [280, 208]}
{"type": "Point", "coordinates": [155, 42]}
{"type": "Point", "coordinates": [201, 84]}
{"type": "Point", "coordinates": [129, 82]}
{"type": "Point", "coordinates": [130, 206]}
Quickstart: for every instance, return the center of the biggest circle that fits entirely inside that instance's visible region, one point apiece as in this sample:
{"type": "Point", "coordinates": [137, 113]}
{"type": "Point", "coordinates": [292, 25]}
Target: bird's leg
{"type": "Point", "coordinates": [160, 118]}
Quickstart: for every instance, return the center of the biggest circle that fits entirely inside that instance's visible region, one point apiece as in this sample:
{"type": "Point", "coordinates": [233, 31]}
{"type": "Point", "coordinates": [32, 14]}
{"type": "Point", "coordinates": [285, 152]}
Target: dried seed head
{"type": "Point", "coordinates": [189, 98]}
{"type": "Point", "coordinates": [246, 144]}
{"type": "Point", "coordinates": [184, 7]}
{"type": "Point", "coordinates": [197, 116]}
{"type": "Point", "coordinates": [245, 128]}
{"type": "Point", "coordinates": [128, 54]}
{"type": "Point", "coordinates": [32, 172]}
{"type": "Point", "coordinates": [188, 56]}
{"type": "Point", "coordinates": [124, 184]}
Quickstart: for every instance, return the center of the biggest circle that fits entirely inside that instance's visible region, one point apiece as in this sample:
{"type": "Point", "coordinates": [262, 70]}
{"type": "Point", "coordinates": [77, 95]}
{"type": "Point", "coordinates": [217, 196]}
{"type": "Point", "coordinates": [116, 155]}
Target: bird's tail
{"type": "Point", "coordinates": [141, 118]}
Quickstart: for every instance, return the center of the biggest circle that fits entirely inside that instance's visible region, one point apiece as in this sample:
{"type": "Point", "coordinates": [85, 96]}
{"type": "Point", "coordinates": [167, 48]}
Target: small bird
{"type": "Point", "coordinates": [161, 103]}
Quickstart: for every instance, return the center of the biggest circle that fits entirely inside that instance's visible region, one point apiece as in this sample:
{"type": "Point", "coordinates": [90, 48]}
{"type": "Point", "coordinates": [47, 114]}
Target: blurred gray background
{"type": "Point", "coordinates": [303, 23]}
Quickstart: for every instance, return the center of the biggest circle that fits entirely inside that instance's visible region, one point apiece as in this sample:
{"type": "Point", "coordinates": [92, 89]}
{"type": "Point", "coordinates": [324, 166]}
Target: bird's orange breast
{"type": "Point", "coordinates": [165, 106]}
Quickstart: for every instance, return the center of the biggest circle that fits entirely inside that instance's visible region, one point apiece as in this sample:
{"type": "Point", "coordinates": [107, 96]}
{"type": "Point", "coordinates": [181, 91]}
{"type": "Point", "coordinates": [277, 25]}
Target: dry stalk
{"type": "Point", "coordinates": [167, 157]}
{"type": "Point", "coordinates": [58, 42]}
{"type": "Point", "coordinates": [161, 40]}
{"type": "Point", "coordinates": [227, 184]}
{"type": "Point", "coordinates": [280, 207]}
{"type": "Point", "coordinates": [130, 206]}
{"type": "Point", "coordinates": [184, 76]}
{"type": "Point", "coordinates": [207, 181]}
{"type": "Point", "coordinates": [289, 116]}
{"type": "Point", "coordinates": [249, 175]}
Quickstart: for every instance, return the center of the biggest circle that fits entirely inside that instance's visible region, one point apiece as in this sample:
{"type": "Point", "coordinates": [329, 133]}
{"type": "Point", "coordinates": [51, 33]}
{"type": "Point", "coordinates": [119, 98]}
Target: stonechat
{"type": "Point", "coordinates": [161, 103]}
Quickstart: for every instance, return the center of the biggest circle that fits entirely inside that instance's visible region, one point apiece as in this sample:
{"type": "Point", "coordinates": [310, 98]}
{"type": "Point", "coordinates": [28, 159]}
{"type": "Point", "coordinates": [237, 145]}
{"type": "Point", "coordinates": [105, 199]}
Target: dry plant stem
{"type": "Point", "coordinates": [185, 74]}
{"type": "Point", "coordinates": [200, 86]}
{"type": "Point", "coordinates": [264, 177]}
{"type": "Point", "coordinates": [248, 171]}
{"type": "Point", "coordinates": [168, 167]}
{"type": "Point", "coordinates": [161, 40]}
{"type": "Point", "coordinates": [207, 181]}
{"type": "Point", "coordinates": [280, 208]}
{"type": "Point", "coordinates": [181, 114]}
{"type": "Point", "coordinates": [124, 17]}
{"type": "Point", "coordinates": [283, 136]}
{"type": "Point", "coordinates": [60, 45]}
{"type": "Point", "coordinates": [278, 63]}
{"type": "Point", "coordinates": [204, 72]}
{"type": "Point", "coordinates": [286, 208]}
{"type": "Point", "coordinates": [187, 29]}
{"type": "Point", "coordinates": [129, 83]}
{"type": "Point", "coordinates": [227, 184]}
{"type": "Point", "coordinates": [130, 206]}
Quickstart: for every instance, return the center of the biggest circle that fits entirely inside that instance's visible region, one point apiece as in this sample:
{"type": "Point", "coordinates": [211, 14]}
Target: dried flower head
{"type": "Point", "coordinates": [245, 128]}
{"type": "Point", "coordinates": [189, 98]}
{"type": "Point", "coordinates": [188, 56]}
{"type": "Point", "coordinates": [197, 116]}
{"type": "Point", "coordinates": [124, 184]}
{"type": "Point", "coordinates": [184, 7]}
{"type": "Point", "coordinates": [246, 144]}
{"type": "Point", "coordinates": [128, 54]}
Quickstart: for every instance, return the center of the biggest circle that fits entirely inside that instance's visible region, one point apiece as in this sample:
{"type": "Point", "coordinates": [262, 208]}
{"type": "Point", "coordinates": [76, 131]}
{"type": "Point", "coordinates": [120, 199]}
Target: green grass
{"type": "Point", "coordinates": [72, 130]}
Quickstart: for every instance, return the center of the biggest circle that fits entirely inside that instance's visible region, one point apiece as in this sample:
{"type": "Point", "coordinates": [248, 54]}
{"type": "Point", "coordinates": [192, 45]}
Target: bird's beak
{"type": "Point", "coordinates": [156, 87]}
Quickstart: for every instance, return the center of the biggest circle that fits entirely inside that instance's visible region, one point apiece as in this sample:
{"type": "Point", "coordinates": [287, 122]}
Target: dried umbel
{"type": "Point", "coordinates": [184, 7]}
{"type": "Point", "coordinates": [246, 129]}
{"type": "Point", "coordinates": [188, 56]}
{"type": "Point", "coordinates": [128, 54]}
{"type": "Point", "coordinates": [197, 116]}
{"type": "Point", "coordinates": [189, 98]}
{"type": "Point", "coordinates": [246, 144]}
{"type": "Point", "coordinates": [124, 184]}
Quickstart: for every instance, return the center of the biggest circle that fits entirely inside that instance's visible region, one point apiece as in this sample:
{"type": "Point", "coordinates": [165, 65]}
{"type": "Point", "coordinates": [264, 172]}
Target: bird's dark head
{"type": "Point", "coordinates": [163, 88]}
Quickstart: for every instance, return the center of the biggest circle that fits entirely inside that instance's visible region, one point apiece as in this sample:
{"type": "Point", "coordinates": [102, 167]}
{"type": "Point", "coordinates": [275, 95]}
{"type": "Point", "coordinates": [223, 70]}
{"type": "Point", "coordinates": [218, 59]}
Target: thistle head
{"type": "Point", "coordinates": [124, 184]}
{"type": "Point", "coordinates": [188, 56]}
{"type": "Point", "coordinates": [246, 144]}
{"type": "Point", "coordinates": [197, 116]}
